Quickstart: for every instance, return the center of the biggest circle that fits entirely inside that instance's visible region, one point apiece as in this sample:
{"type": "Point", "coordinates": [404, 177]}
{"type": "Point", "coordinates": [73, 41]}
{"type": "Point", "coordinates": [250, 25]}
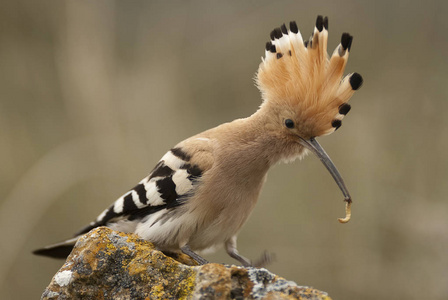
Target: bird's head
{"type": "Point", "coordinates": [303, 89]}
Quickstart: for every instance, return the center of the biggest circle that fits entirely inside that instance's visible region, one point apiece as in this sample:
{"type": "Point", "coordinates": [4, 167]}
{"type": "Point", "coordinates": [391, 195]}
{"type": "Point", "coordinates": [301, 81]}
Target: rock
{"type": "Point", "coordinates": [107, 264]}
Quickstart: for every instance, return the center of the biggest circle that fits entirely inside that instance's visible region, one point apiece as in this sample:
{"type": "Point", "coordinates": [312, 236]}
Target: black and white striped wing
{"type": "Point", "coordinates": [170, 184]}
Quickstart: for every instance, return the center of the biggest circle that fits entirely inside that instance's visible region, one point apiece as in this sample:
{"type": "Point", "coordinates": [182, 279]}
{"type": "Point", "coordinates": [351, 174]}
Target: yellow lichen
{"type": "Point", "coordinates": [104, 264]}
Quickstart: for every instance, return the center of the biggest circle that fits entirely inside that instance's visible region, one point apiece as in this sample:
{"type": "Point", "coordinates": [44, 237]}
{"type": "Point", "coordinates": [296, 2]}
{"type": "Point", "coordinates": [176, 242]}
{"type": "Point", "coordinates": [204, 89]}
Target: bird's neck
{"type": "Point", "coordinates": [256, 140]}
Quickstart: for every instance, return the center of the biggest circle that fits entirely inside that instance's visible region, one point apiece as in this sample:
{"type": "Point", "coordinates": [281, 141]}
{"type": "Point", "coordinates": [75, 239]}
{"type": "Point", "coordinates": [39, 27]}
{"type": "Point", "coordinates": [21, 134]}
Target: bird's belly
{"type": "Point", "coordinates": [173, 230]}
{"type": "Point", "coordinates": [201, 223]}
{"type": "Point", "coordinates": [213, 235]}
{"type": "Point", "coordinates": [221, 225]}
{"type": "Point", "coordinates": [224, 213]}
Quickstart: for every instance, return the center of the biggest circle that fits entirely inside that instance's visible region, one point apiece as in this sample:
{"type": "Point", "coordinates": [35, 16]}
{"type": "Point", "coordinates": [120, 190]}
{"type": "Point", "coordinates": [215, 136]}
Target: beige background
{"type": "Point", "coordinates": [92, 94]}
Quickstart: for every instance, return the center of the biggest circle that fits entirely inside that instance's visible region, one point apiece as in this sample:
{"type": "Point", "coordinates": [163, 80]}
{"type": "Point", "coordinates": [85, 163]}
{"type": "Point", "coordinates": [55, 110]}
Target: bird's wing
{"type": "Point", "coordinates": [170, 184]}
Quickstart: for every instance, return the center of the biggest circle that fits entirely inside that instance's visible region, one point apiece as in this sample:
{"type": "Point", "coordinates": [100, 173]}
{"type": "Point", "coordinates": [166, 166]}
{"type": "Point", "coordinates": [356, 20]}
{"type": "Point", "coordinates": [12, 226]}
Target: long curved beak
{"type": "Point", "coordinates": [317, 149]}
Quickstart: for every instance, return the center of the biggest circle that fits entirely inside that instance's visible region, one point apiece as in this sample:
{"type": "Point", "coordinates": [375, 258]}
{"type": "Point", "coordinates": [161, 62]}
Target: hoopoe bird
{"type": "Point", "coordinates": [202, 191]}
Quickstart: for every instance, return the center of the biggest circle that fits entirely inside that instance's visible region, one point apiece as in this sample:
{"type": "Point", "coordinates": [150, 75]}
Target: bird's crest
{"type": "Point", "coordinates": [300, 75]}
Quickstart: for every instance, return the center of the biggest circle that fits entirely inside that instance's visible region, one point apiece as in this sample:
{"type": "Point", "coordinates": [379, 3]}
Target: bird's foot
{"type": "Point", "coordinates": [199, 259]}
{"type": "Point", "coordinates": [265, 259]}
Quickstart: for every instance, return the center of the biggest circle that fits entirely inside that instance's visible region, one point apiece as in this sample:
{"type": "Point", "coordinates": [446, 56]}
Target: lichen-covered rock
{"type": "Point", "coordinates": [106, 264]}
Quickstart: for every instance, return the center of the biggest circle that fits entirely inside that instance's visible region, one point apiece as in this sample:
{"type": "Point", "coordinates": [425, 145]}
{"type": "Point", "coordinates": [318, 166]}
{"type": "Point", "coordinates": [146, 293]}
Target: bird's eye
{"type": "Point", "coordinates": [289, 123]}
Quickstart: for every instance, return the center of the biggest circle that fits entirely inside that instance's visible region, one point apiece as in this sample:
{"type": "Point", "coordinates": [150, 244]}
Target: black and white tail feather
{"type": "Point", "coordinates": [169, 185]}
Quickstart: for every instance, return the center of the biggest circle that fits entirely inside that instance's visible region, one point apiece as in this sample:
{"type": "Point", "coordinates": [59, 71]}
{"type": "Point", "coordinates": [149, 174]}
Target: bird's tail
{"type": "Point", "coordinates": [63, 249]}
{"type": "Point", "coordinates": [59, 250]}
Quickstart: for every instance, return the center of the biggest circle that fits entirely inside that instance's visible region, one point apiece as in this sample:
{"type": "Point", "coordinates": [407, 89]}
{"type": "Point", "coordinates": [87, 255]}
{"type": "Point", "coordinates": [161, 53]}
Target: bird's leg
{"type": "Point", "coordinates": [201, 261]}
{"type": "Point", "coordinates": [230, 245]}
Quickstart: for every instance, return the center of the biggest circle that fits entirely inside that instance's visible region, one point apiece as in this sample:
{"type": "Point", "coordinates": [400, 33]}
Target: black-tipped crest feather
{"type": "Point", "coordinates": [278, 33]}
{"type": "Point", "coordinates": [356, 81]}
{"type": "Point", "coordinates": [346, 41]}
{"type": "Point", "coordinates": [293, 27]}
{"type": "Point", "coordinates": [344, 108]}
{"type": "Point", "coordinates": [320, 23]}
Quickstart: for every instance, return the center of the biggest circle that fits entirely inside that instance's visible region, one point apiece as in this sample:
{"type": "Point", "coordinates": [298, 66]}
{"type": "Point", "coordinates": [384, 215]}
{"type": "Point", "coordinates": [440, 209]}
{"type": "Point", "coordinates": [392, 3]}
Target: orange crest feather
{"type": "Point", "coordinates": [302, 77]}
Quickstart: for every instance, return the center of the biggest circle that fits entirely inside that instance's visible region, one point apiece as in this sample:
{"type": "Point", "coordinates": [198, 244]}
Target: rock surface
{"type": "Point", "coordinates": [106, 264]}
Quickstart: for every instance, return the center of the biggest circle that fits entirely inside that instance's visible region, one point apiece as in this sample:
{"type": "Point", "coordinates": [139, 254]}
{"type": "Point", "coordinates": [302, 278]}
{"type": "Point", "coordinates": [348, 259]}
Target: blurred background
{"type": "Point", "coordinates": [93, 93]}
